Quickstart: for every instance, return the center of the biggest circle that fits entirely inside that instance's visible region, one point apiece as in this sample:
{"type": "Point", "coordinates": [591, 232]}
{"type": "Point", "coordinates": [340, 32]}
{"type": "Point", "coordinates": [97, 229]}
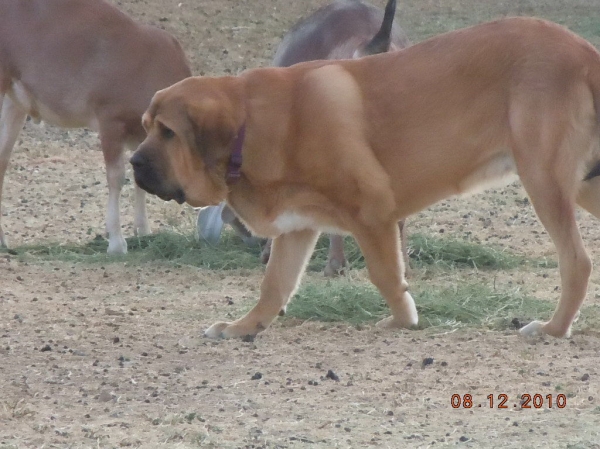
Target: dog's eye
{"type": "Point", "coordinates": [167, 133]}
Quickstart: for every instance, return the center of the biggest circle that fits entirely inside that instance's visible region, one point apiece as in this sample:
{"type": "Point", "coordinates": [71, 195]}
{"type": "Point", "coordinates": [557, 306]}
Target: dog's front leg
{"type": "Point", "coordinates": [288, 260]}
{"type": "Point", "coordinates": [379, 245]}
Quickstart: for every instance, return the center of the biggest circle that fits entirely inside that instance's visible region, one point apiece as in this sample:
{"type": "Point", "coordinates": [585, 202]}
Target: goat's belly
{"type": "Point", "coordinates": [74, 114]}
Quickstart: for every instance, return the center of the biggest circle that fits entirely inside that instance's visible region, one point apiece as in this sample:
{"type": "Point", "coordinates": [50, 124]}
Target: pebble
{"type": "Point", "coordinates": [427, 361]}
{"type": "Point", "coordinates": [332, 375]}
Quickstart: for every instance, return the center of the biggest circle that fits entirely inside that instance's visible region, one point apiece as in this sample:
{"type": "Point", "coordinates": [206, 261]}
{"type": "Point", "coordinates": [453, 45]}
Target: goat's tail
{"type": "Point", "coordinates": [381, 41]}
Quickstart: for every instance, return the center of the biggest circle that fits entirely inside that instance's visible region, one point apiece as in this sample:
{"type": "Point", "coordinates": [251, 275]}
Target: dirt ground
{"type": "Point", "coordinates": [112, 356]}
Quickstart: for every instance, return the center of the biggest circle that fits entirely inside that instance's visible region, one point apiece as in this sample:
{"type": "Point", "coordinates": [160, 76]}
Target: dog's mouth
{"type": "Point", "coordinates": [177, 194]}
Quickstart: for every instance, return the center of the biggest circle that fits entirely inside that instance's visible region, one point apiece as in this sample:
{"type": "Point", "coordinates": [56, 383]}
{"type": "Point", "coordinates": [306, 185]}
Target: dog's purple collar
{"type": "Point", "coordinates": [235, 161]}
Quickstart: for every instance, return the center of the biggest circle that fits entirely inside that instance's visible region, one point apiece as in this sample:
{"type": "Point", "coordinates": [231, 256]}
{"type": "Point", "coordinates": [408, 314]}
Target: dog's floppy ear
{"type": "Point", "coordinates": [213, 131]}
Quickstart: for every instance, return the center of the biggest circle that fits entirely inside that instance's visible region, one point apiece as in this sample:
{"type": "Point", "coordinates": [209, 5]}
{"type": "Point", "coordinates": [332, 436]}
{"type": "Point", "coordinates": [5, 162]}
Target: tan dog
{"type": "Point", "coordinates": [84, 63]}
{"type": "Point", "coordinates": [342, 29]}
{"type": "Point", "coordinates": [356, 145]}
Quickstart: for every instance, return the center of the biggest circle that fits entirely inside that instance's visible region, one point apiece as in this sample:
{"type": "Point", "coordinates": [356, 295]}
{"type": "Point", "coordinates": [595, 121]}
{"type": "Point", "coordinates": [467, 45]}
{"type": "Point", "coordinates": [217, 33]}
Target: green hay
{"type": "Point", "coordinates": [169, 247]}
{"type": "Point", "coordinates": [231, 253]}
{"type": "Point", "coordinates": [472, 304]}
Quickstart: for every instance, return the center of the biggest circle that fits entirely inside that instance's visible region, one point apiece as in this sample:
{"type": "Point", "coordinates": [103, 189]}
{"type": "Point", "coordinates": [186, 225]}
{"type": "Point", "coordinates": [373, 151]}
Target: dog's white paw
{"type": "Point", "coordinates": [536, 328]}
{"type": "Point", "coordinates": [406, 315]}
{"type": "Point", "coordinates": [388, 323]}
{"type": "Point", "coordinates": [391, 323]}
{"type": "Point", "coordinates": [237, 329]}
{"type": "Point", "coordinates": [533, 329]}
{"type": "Point", "coordinates": [117, 245]}
{"type": "Point", "coordinates": [216, 330]}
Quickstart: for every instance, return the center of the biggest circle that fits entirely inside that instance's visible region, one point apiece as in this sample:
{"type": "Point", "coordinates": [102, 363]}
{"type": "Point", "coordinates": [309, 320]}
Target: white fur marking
{"type": "Point", "coordinates": [498, 172]}
{"type": "Point", "coordinates": [292, 221]}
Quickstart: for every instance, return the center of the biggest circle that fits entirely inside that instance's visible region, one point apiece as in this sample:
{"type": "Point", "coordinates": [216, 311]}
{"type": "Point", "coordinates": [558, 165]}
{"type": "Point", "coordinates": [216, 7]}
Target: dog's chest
{"type": "Point", "coordinates": [293, 221]}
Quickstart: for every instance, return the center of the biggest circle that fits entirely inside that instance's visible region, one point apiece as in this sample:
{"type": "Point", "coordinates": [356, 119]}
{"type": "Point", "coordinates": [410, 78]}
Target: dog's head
{"type": "Point", "coordinates": [191, 129]}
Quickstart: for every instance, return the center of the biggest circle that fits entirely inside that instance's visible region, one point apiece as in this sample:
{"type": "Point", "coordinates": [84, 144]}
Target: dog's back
{"type": "Point", "coordinates": [485, 75]}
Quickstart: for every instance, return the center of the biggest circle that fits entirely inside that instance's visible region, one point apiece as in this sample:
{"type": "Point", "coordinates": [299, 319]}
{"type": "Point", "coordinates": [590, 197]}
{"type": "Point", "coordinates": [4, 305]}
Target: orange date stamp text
{"type": "Point", "coordinates": [501, 401]}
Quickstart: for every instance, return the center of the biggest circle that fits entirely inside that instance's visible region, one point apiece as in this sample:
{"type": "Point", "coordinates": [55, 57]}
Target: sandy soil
{"type": "Point", "coordinates": [112, 356]}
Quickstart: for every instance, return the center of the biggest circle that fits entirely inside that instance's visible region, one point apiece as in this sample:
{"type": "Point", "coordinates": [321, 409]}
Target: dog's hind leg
{"type": "Point", "coordinates": [556, 210]}
{"type": "Point", "coordinates": [112, 148]}
{"type": "Point", "coordinates": [549, 170]}
{"type": "Point", "coordinates": [12, 118]}
{"type": "Point", "coordinates": [380, 248]}
{"type": "Point", "coordinates": [288, 260]}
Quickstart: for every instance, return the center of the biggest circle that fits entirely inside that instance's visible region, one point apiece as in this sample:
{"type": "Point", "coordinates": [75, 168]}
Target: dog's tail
{"type": "Point", "coordinates": [381, 41]}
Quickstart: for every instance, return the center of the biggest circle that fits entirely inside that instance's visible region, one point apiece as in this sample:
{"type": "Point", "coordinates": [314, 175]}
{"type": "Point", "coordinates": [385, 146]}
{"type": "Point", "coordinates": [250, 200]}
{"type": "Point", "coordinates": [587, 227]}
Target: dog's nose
{"type": "Point", "coordinates": [138, 160]}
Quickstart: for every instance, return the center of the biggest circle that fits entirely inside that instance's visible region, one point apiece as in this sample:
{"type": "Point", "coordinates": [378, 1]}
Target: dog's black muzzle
{"type": "Point", "coordinates": [148, 178]}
